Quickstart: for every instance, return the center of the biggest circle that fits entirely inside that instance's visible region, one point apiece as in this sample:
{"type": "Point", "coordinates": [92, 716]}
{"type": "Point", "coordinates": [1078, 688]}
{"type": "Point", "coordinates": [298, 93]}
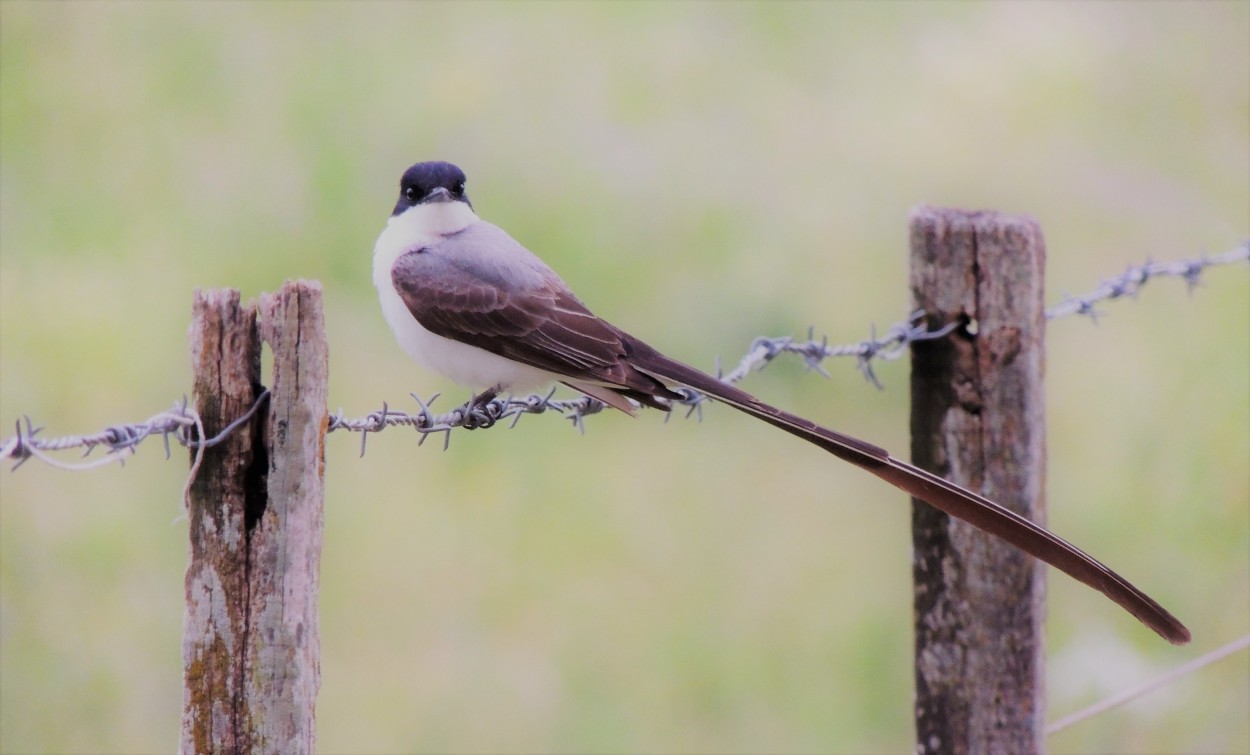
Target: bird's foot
{"type": "Point", "coordinates": [482, 410]}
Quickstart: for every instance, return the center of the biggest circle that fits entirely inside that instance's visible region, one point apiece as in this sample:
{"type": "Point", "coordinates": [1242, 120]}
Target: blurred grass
{"type": "Point", "coordinates": [747, 169]}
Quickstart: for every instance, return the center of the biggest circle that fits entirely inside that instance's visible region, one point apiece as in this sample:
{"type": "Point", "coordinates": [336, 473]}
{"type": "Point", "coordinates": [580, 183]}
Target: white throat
{"type": "Point", "coordinates": [433, 219]}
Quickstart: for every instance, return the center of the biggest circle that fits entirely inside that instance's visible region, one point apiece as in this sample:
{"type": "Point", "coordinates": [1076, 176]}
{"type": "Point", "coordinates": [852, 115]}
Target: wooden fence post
{"type": "Point", "coordinates": [250, 638]}
{"type": "Point", "coordinates": [977, 419]}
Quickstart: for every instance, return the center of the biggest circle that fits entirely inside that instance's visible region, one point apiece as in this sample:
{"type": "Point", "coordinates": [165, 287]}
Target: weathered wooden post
{"type": "Point", "coordinates": [978, 420]}
{"type": "Point", "coordinates": [250, 639]}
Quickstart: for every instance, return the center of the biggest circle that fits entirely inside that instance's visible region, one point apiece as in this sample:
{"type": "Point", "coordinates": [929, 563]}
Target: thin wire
{"type": "Point", "coordinates": [1124, 697]}
{"type": "Point", "coordinates": [200, 448]}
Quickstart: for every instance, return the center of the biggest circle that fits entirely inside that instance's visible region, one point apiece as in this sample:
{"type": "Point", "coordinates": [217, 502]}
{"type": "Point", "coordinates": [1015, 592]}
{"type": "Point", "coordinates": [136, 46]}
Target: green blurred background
{"type": "Point", "coordinates": [743, 170]}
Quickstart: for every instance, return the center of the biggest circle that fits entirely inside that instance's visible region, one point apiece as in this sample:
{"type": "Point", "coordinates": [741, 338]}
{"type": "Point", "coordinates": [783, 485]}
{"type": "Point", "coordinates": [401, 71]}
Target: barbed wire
{"type": "Point", "coordinates": [121, 440]}
{"type": "Point", "coordinates": [1135, 277]}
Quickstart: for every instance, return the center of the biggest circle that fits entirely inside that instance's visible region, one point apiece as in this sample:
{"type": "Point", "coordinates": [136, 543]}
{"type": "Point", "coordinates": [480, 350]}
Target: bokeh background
{"type": "Point", "coordinates": [701, 174]}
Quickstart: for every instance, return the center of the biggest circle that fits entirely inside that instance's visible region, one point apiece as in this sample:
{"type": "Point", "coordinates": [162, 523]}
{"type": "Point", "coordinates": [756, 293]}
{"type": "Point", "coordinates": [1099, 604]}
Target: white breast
{"type": "Point", "coordinates": [463, 364]}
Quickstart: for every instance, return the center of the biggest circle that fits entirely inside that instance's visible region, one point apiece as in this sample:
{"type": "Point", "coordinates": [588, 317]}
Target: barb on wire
{"type": "Point", "coordinates": [121, 440]}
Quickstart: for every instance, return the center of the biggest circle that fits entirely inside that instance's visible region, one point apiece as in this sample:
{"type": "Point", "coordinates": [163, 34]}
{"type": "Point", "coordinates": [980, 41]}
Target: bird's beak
{"type": "Point", "coordinates": [439, 195]}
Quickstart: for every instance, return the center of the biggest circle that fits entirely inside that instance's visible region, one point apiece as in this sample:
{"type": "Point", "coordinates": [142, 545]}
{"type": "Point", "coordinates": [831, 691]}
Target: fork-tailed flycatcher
{"type": "Point", "coordinates": [469, 302]}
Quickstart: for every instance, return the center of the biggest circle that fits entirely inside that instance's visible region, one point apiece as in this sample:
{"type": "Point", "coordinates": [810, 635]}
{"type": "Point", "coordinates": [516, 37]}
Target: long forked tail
{"type": "Point", "coordinates": [975, 509]}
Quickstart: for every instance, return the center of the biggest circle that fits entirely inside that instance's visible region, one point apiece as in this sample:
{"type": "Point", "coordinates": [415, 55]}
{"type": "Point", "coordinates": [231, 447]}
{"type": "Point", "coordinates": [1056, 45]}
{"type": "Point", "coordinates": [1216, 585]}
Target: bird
{"type": "Point", "coordinates": [469, 302]}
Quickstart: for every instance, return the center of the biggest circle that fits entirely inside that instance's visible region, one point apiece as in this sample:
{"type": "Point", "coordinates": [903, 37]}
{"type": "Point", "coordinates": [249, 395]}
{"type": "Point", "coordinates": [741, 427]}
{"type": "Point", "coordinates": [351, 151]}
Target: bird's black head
{"type": "Point", "coordinates": [431, 182]}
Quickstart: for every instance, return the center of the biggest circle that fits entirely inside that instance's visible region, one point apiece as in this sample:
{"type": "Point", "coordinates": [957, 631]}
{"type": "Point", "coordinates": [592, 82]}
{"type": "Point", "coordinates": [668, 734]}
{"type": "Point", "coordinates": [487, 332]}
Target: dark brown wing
{"type": "Point", "coordinates": [542, 325]}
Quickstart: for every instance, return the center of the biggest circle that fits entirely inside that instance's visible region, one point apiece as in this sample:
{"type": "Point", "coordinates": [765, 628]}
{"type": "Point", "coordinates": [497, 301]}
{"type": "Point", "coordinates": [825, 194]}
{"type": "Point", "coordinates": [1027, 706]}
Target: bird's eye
{"type": "Point", "coordinates": [458, 189]}
{"type": "Point", "coordinates": [411, 194]}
